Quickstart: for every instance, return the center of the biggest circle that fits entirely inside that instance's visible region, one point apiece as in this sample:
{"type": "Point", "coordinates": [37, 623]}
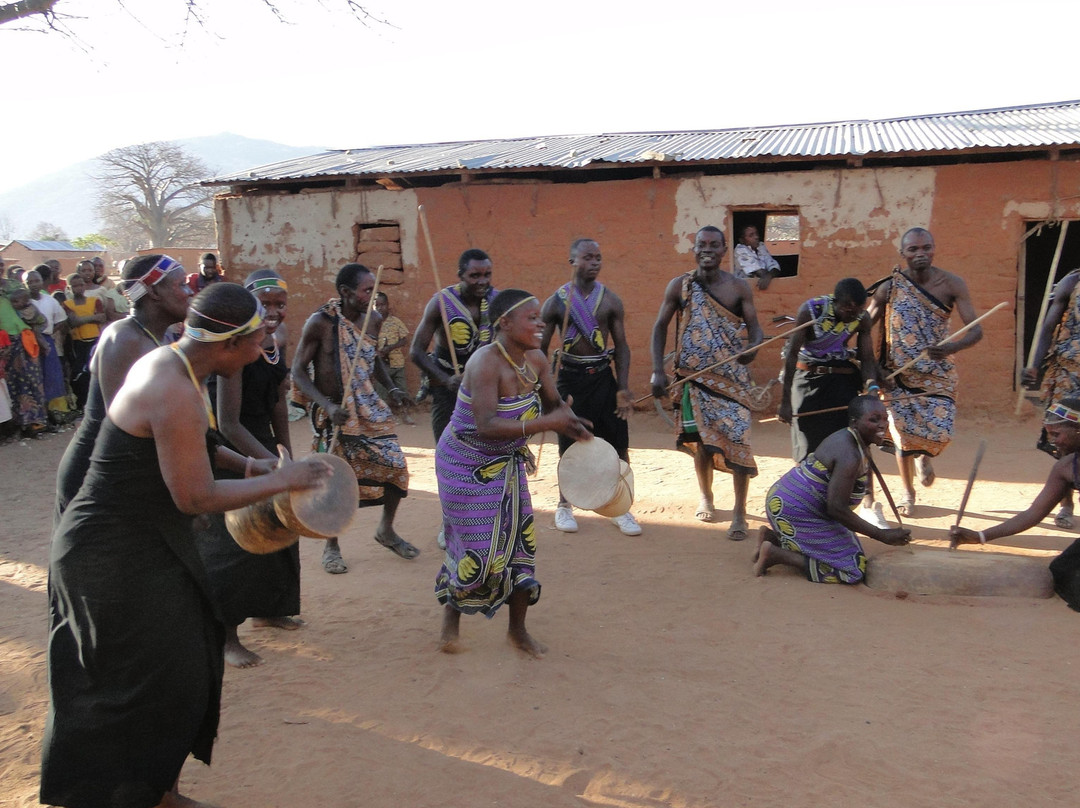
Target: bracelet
{"type": "Point", "coordinates": [873, 388]}
{"type": "Point", "coordinates": [982, 537]}
{"type": "Point", "coordinates": [396, 390]}
{"type": "Point", "coordinates": [247, 466]}
{"type": "Point", "coordinates": [523, 429]}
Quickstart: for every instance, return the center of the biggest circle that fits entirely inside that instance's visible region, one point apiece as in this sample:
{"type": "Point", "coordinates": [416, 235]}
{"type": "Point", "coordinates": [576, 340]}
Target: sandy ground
{"type": "Point", "coordinates": [674, 677]}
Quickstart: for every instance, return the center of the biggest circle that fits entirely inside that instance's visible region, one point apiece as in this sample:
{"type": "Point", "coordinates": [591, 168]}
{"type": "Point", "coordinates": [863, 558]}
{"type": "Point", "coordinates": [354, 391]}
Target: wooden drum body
{"type": "Point", "coordinates": [932, 571]}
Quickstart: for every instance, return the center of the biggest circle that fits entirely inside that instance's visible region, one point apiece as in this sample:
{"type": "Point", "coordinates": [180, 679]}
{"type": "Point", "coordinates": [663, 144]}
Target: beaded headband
{"type": "Point", "coordinates": [262, 284]}
{"type": "Point", "coordinates": [1059, 414]}
{"type": "Point", "coordinates": [521, 302]}
{"type": "Point", "coordinates": [138, 287]}
{"type": "Point", "coordinates": [203, 335]}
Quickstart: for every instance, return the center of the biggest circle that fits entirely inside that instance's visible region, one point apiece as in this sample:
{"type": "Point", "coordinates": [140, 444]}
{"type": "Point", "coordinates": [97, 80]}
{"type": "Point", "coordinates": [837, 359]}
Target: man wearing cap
{"type": "Point", "coordinates": [585, 372]}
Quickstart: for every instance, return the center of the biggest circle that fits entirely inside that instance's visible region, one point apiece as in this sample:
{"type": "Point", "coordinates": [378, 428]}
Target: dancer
{"type": "Point", "coordinates": [915, 304]}
{"type": "Point", "coordinates": [347, 415]}
{"type": "Point", "coordinates": [585, 375]}
{"type": "Point", "coordinates": [252, 414]}
{"type": "Point", "coordinates": [506, 394]}
{"type": "Point", "coordinates": [811, 508]}
{"type": "Point", "coordinates": [134, 659]}
{"type": "Point", "coordinates": [712, 410]}
{"type": "Point", "coordinates": [159, 298]}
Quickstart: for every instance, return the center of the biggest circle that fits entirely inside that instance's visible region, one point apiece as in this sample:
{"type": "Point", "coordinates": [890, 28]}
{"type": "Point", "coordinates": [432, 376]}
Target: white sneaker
{"type": "Point", "coordinates": [564, 519]}
{"type": "Point", "coordinates": [874, 516]}
{"type": "Point", "coordinates": [627, 524]}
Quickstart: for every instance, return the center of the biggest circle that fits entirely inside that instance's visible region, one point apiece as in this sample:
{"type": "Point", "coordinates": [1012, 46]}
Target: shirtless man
{"type": "Point", "coordinates": [914, 306]}
{"type": "Point", "coordinates": [585, 377]}
{"type": "Point", "coordinates": [712, 411]}
{"type": "Point", "coordinates": [358, 427]}
{"type": "Point", "coordinates": [466, 304]}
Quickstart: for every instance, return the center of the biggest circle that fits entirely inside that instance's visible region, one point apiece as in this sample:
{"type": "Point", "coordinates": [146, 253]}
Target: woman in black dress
{"type": "Point", "coordinates": [135, 646]}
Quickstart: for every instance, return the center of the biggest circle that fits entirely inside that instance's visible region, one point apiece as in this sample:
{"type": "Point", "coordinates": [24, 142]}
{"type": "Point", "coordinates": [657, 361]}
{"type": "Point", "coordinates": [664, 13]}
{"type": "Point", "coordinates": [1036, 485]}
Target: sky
{"type": "Point", "coordinates": [130, 72]}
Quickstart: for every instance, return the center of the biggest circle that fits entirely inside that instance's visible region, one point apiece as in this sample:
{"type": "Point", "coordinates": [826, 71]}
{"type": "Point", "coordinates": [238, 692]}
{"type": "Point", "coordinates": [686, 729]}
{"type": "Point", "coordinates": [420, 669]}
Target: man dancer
{"type": "Point", "coordinates": [466, 305]}
{"type": "Point", "coordinates": [712, 305]}
{"type": "Point", "coordinates": [914, 305]}
{"type": "Point", "coordinates": [585, 371]}
{"type": "Point", "coordinates": [359, 426]}
{"type": "Point", "coordinates": [1058, 347]}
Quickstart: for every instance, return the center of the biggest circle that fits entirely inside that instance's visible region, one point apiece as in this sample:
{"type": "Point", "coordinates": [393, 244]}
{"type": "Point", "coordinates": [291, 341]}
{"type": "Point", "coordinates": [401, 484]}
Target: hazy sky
{"type": "Point", "coordinates": [495, 68]}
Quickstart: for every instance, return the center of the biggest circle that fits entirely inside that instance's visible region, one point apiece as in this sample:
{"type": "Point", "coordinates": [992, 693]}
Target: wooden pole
{"type": "Point", "coordinates": [970, 482]}
{"type": "Point", "coordinates": [558, 364]}
{"type": "Point", "coordinates": [1043, 306]}
{"type": "Point", "coordinates": [885, 401]}
{"type": "Point", "coordinates": [439, 290]}
{"type": "Point", "coordinates": [959, 332]}
{"type": "Point", "coordinates": [880, 479]}
{"type": "Point", "coordinates": [725, 360]}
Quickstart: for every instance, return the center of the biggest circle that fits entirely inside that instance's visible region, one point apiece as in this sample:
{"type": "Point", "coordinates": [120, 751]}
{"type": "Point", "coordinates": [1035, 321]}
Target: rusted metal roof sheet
{"type": "Point", "coordinates": [1033, 126]}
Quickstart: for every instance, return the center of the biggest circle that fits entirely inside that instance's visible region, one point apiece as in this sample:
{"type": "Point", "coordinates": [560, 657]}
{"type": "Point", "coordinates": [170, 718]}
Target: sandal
{"type": "Point", "coordinates": [925, 470]}
{"type": "Point", "coordinates": [398, 545]}
{"type": "Point", "coordinates": [906, 506]}
{"type": "Point", "coordinates": [737, 531]}
{"type": "Point", "coordinates": [704, 512]}
{"type": "Point", "coordinates": [332, 561]}
{"type": "Point", "coordinates": [1064, 517]}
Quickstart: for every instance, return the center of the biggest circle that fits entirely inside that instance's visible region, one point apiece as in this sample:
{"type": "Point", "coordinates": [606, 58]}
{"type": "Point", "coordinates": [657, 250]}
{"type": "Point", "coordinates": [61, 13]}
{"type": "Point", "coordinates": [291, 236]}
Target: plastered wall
{"type": "Point", "coordinates": [851, 223]}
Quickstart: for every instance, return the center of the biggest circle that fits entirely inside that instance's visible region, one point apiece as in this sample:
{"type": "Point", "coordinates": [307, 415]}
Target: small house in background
{"type": "Point", "coordinates": [998, 189]}
{"type": "Point", "coordinates": [28, 254]}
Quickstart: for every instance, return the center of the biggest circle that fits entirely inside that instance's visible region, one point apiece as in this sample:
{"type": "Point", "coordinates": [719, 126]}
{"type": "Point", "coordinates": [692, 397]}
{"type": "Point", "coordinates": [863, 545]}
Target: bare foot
{"type": "Point", "coordinates": [238, 656]}
{"type": "Point", "coordinates": [524, 641]}
{"type": "Point", "coordinates": [449, 642]}
{"type": "Point", "coordinates": [765, 535]}
{"type": "Point", "coordinates": [392, 541]}
{"type": "Point", "coordinates": [284, 623]}
{"type": "Point", "coordinates": [705, 510]}
{"type": "Point", "coordinates": [765, 558]}
{"type": "Point", "coordinates": [925, 470]}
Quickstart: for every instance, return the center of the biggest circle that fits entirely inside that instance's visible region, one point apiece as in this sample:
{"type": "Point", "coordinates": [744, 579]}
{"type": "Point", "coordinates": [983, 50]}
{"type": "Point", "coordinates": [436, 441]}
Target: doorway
{"type": "Point", "coordinates": [1036, 260]}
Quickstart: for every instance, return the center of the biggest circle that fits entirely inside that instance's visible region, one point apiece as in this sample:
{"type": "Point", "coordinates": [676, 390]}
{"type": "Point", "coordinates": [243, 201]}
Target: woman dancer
{"type": "Point", "coordinates": [507, 393]}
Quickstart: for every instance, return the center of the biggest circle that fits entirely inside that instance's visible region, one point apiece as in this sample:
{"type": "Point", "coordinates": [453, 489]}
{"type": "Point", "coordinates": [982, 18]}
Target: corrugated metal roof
{"type": "Point", "coordinates": [56, 246]}
{"type": "Point", "coordinates": [1033, 126]}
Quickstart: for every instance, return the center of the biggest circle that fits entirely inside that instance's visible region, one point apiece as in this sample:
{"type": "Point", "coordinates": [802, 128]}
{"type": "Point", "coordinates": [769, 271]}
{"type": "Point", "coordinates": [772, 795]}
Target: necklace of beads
{"type": "Point", "coordinates": [523, 370]}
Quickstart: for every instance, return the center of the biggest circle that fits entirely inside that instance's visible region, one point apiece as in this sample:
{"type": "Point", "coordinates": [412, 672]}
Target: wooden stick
{"type": "Point", "coordinates": [346, 383]}
{"type": "Point", "coordinates": [950, 338]}
{"type": "Point", "coordinates": [1042, 309]}
{"type": "Point", "coordinates": [880, 479]}
{"type": "Point", "coordinates": [558, 364]}
{"type": "Point", "coordinates": [725, 360]}
{"type": "Point", "coordinates": [885, 401]}
{"type": "Point", "coordinates": [970, 482]}
{"type": "Point", "coordinates": [439, 289]}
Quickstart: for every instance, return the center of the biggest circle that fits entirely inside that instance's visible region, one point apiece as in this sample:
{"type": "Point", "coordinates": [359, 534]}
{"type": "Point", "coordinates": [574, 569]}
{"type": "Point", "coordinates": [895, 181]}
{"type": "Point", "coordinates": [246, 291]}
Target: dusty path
{"type": "Point", "coordinates": [675, 678]}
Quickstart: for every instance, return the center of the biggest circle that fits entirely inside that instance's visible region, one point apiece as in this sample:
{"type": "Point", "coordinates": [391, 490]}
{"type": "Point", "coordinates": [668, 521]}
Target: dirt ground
{"type": "Point", "coordinates": [674, 676]}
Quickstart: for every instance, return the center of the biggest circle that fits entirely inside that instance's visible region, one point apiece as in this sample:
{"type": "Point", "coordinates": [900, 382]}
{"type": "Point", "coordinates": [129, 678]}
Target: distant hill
{"type": "Point", "coordinates": [67, 197]}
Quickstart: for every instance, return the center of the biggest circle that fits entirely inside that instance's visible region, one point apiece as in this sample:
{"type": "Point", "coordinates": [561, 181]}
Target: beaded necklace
{"type": "Point", "coordinates": [145, 330]}
{"type": "Point", "coordinates": [522, 370]}
{"type": "Point", "coordinates": [198, 386]}
{"type": "Point", "coordinates": [273, 356]}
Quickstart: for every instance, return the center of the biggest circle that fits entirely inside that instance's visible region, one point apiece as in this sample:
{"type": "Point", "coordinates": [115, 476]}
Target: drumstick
{"type": "Point", "coordinates": [880, 479]}
{"type": "Point", "coordinates": [558, 363]}
{"type": "Point", "coordinates": [439, 289]}
{"type": "Point", "coordinates": [970, 482]}
{"type": "Point", "coordinates": [727, 359]}
{"type": "Point", "coordinates": [949, 338]}
{"type": "Point", "coordinates": [346, 383]}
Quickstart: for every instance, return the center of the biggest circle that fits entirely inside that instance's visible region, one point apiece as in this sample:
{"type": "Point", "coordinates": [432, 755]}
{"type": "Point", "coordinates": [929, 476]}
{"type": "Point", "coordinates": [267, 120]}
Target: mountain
{"type": "Point", "coordinates": [67, 197]}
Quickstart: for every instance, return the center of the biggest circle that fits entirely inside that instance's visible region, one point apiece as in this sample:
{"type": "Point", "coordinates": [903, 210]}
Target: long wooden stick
{"type": "Point", "coordinates": [439, 289]}
{"type": "Point", "coordinates": [970, 482]}
{"type": "Point", "coordinates": [727, 359]}
{"type": "Point", "coordinates": [558, 363]}
{"type": "Point", "coordinates": [959, 332]}
{"type": "Point", "coordinates": [346, 383]}
{"type": "Point", "coordinates": [1042, 309]}
{"type": "Point", "coordinates": [885, 401]}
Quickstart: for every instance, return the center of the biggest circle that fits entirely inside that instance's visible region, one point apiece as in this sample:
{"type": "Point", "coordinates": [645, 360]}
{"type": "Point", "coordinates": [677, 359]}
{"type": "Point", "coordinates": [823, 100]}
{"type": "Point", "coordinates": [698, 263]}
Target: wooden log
{"type": "Point", "coordinates": [930, 571]}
